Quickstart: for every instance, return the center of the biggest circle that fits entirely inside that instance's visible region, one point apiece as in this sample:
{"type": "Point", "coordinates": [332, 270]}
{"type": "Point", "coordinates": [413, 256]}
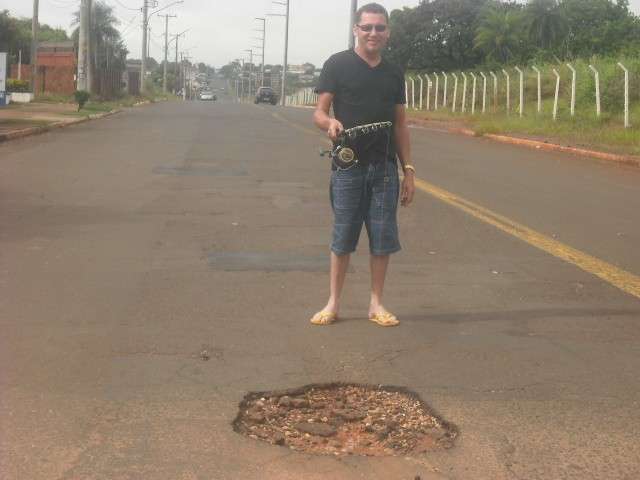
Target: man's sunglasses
{"type": "Point", "coordinates": [369, 27]}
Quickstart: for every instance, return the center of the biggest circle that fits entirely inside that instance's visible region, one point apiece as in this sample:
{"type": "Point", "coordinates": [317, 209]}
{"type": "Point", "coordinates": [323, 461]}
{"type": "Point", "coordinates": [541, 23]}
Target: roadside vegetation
{"type": "Point", "coordinates": [474, 36]}
{"type": "Point", "coordinates": [585, 128]}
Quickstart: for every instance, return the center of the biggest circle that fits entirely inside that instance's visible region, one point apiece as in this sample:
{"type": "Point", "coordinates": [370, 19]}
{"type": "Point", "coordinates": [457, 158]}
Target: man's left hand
{"type": "Point", "coordinates": [407, 189]}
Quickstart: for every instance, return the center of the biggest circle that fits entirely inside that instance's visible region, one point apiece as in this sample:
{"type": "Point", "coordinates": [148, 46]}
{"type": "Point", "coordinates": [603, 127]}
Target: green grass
{"type": "Point", "coordinates": [99, 106]}
{"type": "Point", "coordinates": [606, 133]}
{"type": "Point", "coordinates": [586, 131]}
{"type": "Point", "coordinates": [21, 122]}
{"type": "Point", "coordinates": [54, 98]}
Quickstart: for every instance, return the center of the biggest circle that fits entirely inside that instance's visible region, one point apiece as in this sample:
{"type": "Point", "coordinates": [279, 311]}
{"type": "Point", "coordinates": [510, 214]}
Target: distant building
{"type": "Point", "coordinates": [57, 54]}
{"type": "Point", "coordinates": [56, 68]}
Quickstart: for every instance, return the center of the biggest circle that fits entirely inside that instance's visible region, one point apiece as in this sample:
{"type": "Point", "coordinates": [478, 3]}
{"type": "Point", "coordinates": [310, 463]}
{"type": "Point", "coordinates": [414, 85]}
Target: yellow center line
{"type": "Point", "coordinates": [625, 281]}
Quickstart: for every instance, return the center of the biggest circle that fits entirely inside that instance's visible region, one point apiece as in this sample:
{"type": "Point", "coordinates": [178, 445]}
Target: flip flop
{"type": "Point", "coordinates": [384, 319]}
{"type": "Point", "coordinates": [324, 318]}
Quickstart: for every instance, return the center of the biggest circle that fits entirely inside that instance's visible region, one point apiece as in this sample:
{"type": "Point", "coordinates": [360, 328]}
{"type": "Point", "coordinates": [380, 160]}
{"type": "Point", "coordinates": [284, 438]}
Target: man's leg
{"type": "Point", "coordinates": [339, 265]}
{"type": "Point", "coordinates": [379, 264]}
{"type": "Point", "coordinates": [382, 227]}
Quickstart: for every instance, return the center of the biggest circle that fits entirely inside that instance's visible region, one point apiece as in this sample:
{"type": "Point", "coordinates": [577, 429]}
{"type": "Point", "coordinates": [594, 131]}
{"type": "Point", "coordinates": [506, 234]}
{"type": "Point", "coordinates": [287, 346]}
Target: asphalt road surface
{"type": "Point", "coordinates": [130, 244]}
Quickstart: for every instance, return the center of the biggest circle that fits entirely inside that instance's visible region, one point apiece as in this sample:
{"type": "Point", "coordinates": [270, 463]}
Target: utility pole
{"type": "Point", "coordinates": [250, 68]}
{"type": "Point", "coordinates": [149, 43]}
{"type": "Point", "coordinates": [166, 50]}
{"type": "Point", "coordinates": [286, 47]}
{"type": "Point", "coordinates": [354, 9]}
{"type": "Point", "coordinates": [88, 44]}
{"type": "Point", "coordinates": [177, 69]}
{"type": "Point", "coordinates": [143, 50]}
{"type": "Point", "coordinates": [186, 71]}
{"type": "Point", "coordinates": [286, 51]}
{"type": "Point", "coordinates": [82, 46]}
{"type": "Point", "coordinates": [177, 72]}
{"type": "Point", "coordinates": [264, 35]}
{"type": "Point", "coordinates": [34, 46]}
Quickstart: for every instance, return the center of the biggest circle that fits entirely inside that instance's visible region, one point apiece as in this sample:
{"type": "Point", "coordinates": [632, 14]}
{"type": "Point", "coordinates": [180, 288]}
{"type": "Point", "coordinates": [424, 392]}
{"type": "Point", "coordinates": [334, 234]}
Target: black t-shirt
{"type": "Point", "coordinates": [364, 94]}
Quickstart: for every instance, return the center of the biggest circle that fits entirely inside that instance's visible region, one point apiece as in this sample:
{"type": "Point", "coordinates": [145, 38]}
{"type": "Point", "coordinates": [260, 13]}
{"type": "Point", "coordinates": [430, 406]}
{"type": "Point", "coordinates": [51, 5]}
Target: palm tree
{"type": "Point", "coordinates": [547, 23]}
{"type": "Point", "coordinates": [106, 41]}
{"type": "Point", "coordinates": [499, 34]}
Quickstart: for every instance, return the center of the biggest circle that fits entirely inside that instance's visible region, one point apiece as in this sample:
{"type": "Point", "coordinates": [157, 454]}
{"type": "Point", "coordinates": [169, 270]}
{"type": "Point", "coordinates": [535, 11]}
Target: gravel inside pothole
{"type": "Point", "coordinates": [344, 419]}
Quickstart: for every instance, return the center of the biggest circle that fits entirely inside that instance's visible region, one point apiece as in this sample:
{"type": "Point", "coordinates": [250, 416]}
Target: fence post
{"type": "Point", "coordinates": [555, 100]}
{"type": "Point", "coordinates": [627, 124]}
{"type": "Point", "coordinates": [455, 91]}
{"type": "Point", "coordinates": [596, 74]}
{"type": "Point", "coordinates": [421, 89]}
{"type": "Point", "coordinates": [435, 104]}
{"type": "Point", "coordinates": [506, 74]}
{"type": "Point", "coordinates": [484, 92]}
{"type": "Point", "coordinates": [413, 92]}
{"type": "Point", "coordinates": [521, 73]}
{"type": "Point", "coordinates": [444, 100]}
{"type": "Point", "coordinates": [464, 92]}
{"type": "Point", "coordinates": [406, 92]}
{"type": "Point", "coordinates": [573, 89]}
{"type": "Point", "coordinates": [535, 69]}
{"type": "Point", "coordinates": [495, 91]}
{"type": "Point", "coordinates": [473, 95]}
{"type": "Point", "coordinates": [426, 75]}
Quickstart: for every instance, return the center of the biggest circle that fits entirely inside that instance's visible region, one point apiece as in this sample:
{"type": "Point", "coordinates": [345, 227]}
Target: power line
{"type": "Point", "coordinates": [124, 6]}
{"type": "Point", "coordinates": [129, 25]}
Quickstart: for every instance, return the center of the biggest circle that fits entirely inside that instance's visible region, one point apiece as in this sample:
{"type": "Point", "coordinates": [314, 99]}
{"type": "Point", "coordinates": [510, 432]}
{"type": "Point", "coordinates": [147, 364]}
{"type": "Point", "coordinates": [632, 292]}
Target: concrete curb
{"type": "Point", "coordinates": [538, 145]}
{"type": "Point", "coordinates": [27, 132]}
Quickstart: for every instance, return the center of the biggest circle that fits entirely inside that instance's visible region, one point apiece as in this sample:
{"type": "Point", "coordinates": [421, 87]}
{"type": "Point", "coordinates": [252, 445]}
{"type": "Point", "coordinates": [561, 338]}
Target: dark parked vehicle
{"type": "Point", "coordinates": [267, 95]}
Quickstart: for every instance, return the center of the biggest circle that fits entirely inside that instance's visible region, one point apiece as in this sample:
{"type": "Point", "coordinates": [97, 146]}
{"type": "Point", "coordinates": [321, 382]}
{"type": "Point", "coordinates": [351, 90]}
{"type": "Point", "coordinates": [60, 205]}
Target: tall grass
{"type": "Point", "coordinates": [606, 131]}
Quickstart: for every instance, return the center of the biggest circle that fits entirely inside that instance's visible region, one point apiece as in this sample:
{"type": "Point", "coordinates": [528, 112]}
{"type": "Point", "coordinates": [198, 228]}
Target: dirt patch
{"type": "Point", "coordinates": [345, 419]}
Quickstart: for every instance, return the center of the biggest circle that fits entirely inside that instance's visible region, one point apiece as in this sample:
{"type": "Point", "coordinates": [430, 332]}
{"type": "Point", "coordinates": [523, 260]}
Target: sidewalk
{"type": "Point", "coordinates": [20, 120]}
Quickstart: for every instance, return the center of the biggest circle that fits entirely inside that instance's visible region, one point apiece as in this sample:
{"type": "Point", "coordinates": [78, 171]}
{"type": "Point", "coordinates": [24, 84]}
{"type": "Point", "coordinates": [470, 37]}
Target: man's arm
{"type": "Point", "coordinates": [322, 119]}
{"type": "Point", "coordinates": [403, 147]}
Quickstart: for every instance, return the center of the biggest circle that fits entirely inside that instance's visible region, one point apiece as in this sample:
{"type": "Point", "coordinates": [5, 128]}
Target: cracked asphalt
{"type": "Point", "coordinates": [131, 244]}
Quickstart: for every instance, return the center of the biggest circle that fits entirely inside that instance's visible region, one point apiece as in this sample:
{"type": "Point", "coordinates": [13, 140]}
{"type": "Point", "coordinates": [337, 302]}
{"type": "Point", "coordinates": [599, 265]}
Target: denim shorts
{"type": "Point", "coordinates": [365, 193]}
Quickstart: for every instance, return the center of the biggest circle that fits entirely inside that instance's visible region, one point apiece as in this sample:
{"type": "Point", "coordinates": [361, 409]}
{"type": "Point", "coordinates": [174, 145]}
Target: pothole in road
{"type": "Point", "coordinates": [345, 419]}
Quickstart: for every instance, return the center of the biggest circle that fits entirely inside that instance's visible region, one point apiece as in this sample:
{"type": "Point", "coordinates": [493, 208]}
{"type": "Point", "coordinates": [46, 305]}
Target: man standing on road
{"type": "Point", "coordinates": [365, 88]}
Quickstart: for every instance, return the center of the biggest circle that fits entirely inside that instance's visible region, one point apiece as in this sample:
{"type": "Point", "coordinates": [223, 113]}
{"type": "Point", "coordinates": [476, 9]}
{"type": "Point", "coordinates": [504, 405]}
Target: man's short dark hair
{"type": "Point", "coordinates": [372, 8]}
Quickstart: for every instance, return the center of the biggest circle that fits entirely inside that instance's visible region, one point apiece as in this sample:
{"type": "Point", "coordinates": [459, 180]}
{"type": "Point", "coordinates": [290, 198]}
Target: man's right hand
{"type": "Point", "coordinates": [335, 128]}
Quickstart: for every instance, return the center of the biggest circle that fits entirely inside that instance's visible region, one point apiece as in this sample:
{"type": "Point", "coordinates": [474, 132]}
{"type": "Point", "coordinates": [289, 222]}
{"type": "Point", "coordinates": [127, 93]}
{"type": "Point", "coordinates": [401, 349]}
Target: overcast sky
{"type": "Point", "coordinates": [220, 30]}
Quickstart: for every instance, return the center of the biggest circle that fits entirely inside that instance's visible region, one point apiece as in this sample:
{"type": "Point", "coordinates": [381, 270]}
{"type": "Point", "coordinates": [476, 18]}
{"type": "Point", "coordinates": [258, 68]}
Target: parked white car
{"type": "Point", "coordinates": [207, 96]}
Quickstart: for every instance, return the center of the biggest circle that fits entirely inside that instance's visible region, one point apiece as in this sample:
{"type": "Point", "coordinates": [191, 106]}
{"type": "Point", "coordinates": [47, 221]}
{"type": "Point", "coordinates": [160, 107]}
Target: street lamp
{"type": "Point", "coordinates": [354, 8]}
{"type": "Point", "coordinates": [145, 26]}
{"type": "Point", "coordinates": [250, 67]}
{"type": "Point", "coordinates": [286, 47]}
{"type": "Point", "coordinates": [264, 36]}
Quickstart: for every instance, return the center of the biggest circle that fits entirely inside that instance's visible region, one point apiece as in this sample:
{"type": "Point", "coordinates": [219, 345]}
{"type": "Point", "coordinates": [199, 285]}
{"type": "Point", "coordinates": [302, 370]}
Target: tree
{"type": "Point", "coordinates": [15, 36]}
{"type": "Point", "coordinates": [547, 23]}
{"type": "Point", "coordinates": [599, 27]}
{"type": "Point", "coordinates": [500, 34]}
{"type": "Point", "coordinates": [107, 46]}
{"type": "Point", "coordinates": [230, 70]}
{"type": "Point", "coordinates": [436, 34]}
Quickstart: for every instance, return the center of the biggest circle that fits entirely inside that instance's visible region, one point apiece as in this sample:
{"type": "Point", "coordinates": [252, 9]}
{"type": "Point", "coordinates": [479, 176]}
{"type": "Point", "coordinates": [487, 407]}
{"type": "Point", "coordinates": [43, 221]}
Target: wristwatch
{"type": "Point", "coordinates": [409, 167]}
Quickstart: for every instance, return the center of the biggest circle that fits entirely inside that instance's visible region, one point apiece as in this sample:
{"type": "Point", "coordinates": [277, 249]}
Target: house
{"type": "Point", "coordinates": [56, 68]}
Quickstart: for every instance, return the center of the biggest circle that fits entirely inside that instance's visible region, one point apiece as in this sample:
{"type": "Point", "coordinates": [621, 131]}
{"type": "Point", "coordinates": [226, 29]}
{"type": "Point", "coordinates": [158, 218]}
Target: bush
{"type": "Point", "coordinates": [81, 96]}
{"type": "Point", "coordinates": [18, 86]}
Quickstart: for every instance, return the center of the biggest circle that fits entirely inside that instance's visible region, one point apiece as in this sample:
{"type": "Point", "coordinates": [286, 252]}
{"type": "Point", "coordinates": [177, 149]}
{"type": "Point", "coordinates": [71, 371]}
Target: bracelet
{"type": "Point", "coordinates": [409, 167]}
